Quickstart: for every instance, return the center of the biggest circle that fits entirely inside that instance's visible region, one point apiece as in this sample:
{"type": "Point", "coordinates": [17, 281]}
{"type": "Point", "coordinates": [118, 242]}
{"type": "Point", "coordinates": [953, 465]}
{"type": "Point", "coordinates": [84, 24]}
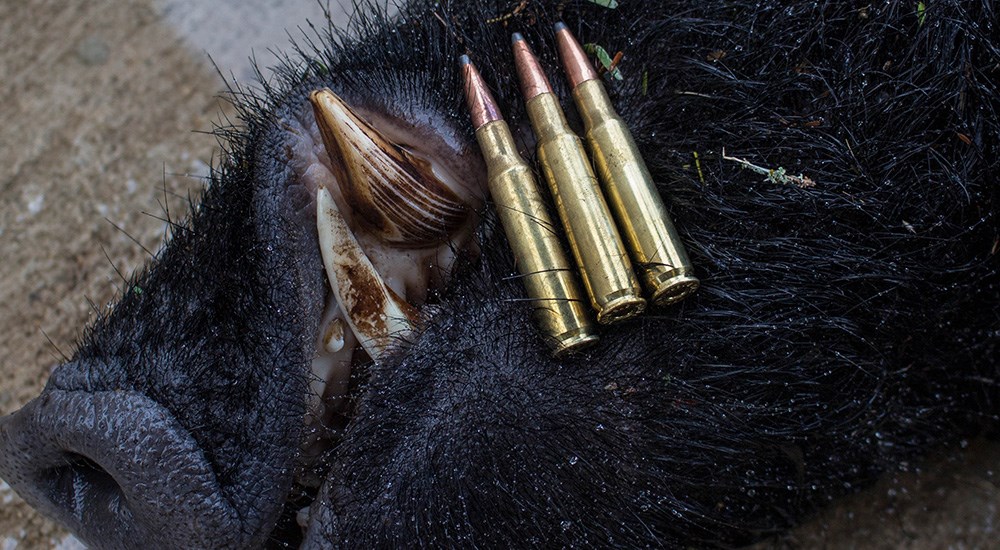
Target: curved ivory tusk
{"type": "Point", "coordinates": [396, 194]}
{"type": "Point", "coordinates": [376, 314]}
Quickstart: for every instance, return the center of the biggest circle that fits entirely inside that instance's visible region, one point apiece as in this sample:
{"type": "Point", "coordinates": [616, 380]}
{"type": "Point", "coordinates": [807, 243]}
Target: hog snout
{"type": "Point", "coordinates": [115, 467]}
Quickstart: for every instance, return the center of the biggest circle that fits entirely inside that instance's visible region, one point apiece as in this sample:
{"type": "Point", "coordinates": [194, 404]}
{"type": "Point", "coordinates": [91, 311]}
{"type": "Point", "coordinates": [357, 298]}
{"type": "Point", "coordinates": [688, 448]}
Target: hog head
{"type": "Point", "coordinates": [841, 327]}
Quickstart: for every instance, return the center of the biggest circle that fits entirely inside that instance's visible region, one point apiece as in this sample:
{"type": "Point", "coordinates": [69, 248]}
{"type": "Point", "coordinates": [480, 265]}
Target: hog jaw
{"type": "Point", "coordinates": [218, 379]}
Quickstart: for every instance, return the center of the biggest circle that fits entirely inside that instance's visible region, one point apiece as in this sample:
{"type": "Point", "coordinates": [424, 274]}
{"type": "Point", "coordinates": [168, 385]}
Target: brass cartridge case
{"type": "Point", "coordinates": [596, 245]}
{"type": "Point", "coordinates": [641, 215]}
{"type": "Point", "coordinates": [559, 307]}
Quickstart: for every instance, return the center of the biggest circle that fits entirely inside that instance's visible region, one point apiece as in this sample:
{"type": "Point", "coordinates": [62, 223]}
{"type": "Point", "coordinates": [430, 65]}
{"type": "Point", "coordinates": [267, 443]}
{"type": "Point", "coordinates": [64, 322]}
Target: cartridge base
{"type": "Point", "coordinates": [620, 306]}
{"type": "Point", "coordinates": [673, 286]}
{"type": "Point", "coordinates": [642, 218]}
{"type": "Point", "coordinates": [572, 341]}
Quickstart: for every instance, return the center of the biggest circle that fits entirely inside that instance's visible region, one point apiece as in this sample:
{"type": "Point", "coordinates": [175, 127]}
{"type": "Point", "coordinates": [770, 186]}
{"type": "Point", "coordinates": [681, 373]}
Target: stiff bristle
{"type": "Point", "coordinates": [832, 172]}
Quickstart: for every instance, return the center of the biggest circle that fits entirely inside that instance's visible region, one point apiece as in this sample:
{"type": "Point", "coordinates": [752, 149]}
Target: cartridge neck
{"type": "Point", "coordinates": [593, 103]}
{"type": "Point", "coordinates": [547, 118]}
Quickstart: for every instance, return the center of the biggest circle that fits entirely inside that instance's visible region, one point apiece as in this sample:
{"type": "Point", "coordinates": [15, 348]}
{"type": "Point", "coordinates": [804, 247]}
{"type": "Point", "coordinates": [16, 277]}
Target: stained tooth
{"type": "Point", "coordinates": [376, 314]}
{"type": "Point", "coordinates": [397, 195]}
{"type": "Point", "coordinates": [333, 338]}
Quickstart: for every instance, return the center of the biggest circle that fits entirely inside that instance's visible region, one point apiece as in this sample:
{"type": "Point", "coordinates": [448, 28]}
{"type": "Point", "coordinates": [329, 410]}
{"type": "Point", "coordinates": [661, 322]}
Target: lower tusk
{"type": "Point", "coordinates": [376, 314]}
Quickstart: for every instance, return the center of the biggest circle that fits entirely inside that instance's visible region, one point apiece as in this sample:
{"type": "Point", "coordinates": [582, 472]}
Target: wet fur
{"type": "Point", "coordinates": [840, 329]}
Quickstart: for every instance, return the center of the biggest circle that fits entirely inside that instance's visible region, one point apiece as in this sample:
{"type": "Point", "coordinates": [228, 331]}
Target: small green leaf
{"type": "Point", "coordinates": [610, 4]}
{"type": "Point", "coordinates": [645, 83]}
{"type": "Point", "coordinates": [921, 13]}
{"type": "Point", "coordinates": [602, 56]}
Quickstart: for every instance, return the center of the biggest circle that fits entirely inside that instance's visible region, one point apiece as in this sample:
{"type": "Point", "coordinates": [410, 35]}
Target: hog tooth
{"type": "Point", "coordinates": [394, 193]}
{"type": "Point", "coordinates": [376, 314]}
{"type": "Point", "coordinates": [302, 517]}
{"type": "Point", "coordinates": [333, 338]}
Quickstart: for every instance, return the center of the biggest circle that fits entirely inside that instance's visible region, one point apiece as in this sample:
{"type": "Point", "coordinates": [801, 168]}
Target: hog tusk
{"type": "Point", "coordinates": [395, 193]}
{"type": "Point", "coordinates": [376, 314]}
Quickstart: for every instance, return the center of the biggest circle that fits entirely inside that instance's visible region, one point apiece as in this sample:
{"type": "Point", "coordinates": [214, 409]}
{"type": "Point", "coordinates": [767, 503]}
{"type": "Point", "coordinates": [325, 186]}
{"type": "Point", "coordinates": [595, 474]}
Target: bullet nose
{"type": "Point", "coordinates": [116, 468]}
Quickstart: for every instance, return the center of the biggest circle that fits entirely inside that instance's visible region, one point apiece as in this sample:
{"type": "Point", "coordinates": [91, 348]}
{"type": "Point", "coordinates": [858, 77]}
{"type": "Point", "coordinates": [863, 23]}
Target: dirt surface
{"type": "Point", "coordinates": [100, 103]}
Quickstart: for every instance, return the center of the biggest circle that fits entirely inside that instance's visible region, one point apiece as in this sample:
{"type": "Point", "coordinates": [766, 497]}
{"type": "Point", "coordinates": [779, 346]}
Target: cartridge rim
{"type": "Point", "coordinates": [621, 306]}
{"type": "Point", "coordinates": [573, 341]}
{"type": "Point", "coordinates": [673, 286]}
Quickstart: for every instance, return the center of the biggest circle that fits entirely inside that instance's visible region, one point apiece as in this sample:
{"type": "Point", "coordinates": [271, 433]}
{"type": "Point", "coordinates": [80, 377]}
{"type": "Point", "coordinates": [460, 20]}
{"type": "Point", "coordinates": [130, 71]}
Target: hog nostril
{"type": "Point", "coordinates": [66, 484]}
{"type": "Point", "coordinates": [84, 465]}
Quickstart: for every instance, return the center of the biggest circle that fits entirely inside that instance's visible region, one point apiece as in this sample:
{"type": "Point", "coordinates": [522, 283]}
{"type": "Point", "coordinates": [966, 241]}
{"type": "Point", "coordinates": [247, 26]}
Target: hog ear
{"type": "Point", "coordinates": [119, 470]}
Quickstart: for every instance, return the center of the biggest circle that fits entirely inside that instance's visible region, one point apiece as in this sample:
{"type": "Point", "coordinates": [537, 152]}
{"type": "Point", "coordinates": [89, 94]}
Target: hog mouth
{"type": "Point", "coordinates": [397, 207]}
{"type": "Point", "coordinates": [305, 264]}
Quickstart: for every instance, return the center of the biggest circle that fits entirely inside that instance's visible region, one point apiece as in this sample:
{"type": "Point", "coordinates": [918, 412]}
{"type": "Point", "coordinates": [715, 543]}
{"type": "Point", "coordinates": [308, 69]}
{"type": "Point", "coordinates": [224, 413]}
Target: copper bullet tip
{"type": "Point", "coordinates": [578, 67]}
{"type": "Point", "coordinates": [482, 107]}
{"type": "Point", "coordinates": [529, 72]}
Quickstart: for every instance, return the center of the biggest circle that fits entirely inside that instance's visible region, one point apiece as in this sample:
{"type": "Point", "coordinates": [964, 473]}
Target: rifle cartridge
{"type": "Point", "coordinates": [559, 308]}
{"type": "Point", "coordinates": [593, 238]}
{"type": "Point", "coordinates": [642, 217]}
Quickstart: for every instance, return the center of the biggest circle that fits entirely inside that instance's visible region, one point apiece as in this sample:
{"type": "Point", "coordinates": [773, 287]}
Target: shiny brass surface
{"type": "Point", "coordinates": [559, 308]}
{"type": "Point", "coordinates": [597, 248]}
{"type": "Point", "coordinates": [642, 218]}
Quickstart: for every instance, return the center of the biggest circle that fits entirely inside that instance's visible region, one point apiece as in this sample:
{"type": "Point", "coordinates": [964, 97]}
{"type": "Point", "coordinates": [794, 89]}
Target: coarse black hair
{"type": "Point", "coordinates": [847, 321]}
{"type": "Point", "coordinates": [831, 169]}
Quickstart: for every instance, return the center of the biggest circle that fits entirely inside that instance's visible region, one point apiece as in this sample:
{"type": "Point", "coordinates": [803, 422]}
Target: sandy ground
{"type": "Point", "coordinates": [100, 103]}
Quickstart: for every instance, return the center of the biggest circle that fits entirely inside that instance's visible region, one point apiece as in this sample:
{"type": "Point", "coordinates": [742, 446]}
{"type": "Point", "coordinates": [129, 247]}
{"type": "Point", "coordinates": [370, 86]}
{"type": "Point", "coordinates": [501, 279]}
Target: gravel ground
{"type": "Point", "coordinates": [102, 99]}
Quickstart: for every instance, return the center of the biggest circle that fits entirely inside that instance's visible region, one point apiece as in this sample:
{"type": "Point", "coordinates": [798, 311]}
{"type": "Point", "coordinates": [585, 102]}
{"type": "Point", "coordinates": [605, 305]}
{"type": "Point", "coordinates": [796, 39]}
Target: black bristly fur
{"type": "Point", "coordinates": [840, 330]}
